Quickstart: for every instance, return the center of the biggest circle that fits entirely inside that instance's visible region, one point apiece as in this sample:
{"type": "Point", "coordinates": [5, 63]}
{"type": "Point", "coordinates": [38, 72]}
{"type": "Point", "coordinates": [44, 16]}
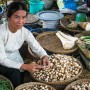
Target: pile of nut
{"type": "Point", "coordinates": [81, 86]}
{"type": "Point", "coordinates": [63, 67]}
{"type": "Point", "coordinates": [37, 87]}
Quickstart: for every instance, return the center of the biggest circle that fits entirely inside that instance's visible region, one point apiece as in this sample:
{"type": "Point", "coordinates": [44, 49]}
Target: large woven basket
{"type": "Point", "coordinates": [67, 20]}
{"type": "Point", "coordinates": [76, 82]}
{"type": "Point", "coordinates": [50, 42]}
{"type": "Point", "coordinates": [4, 78]}
{"type": "Point", "coordinates": [28, 85]}
{"type": "Point", "coordinates": [83, 50]}
{"type": "Point", "coordinates": [63, 82]}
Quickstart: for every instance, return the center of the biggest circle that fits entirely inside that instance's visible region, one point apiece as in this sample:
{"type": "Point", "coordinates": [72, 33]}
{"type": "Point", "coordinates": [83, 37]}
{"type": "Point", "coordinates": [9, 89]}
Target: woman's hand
{"type": "Point", "coordinates": [31, 67]}
{"type": "Point", "coordinates": [46, 61]}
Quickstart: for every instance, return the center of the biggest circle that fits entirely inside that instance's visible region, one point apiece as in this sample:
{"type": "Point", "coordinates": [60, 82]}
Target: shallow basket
{"type": "Point", "coordinates": [63, 82]}
{"type": "Point", "coordinates": [31, 19]}
{"type": "Point", "coordinates": [76, 82]}
{"type": "Point", "coordinates": [50, 42]}
{"type": "Point", "coordinates": [67, 20]}
{"type": "Point", "coordinates": [27, 85]}
{"type": "Point", "coordinates": [85, 53]}
{"type": "Point", "coordinates": [4, 78]}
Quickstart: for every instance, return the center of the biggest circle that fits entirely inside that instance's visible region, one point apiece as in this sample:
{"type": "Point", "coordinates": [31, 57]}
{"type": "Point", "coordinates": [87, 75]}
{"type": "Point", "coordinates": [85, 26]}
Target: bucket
{"type": "Point", "coordinates": [50, 19]}
{"type": "Point", "coordinates": [51, 24]}
{"type": "Point", "coordinates": [36, 6]}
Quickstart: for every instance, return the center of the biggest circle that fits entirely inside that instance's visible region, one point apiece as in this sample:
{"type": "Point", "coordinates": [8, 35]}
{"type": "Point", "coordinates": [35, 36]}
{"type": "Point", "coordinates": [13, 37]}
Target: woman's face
{"type": "Point", "coordinates": [17, 20]}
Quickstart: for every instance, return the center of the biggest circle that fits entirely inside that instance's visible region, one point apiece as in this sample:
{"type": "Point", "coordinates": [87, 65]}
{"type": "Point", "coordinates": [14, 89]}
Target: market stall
{"type": "Point", "coordinates": [69, 54]}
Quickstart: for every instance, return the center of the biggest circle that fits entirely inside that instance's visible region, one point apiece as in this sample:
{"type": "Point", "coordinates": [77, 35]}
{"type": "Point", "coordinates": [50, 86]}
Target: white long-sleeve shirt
{"type": "Point", "coordinates": [10, 43]}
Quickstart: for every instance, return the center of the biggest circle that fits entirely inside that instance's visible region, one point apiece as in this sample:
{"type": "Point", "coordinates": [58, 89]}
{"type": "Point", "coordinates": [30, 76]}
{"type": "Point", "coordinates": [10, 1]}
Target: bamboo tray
{"type": "Point", "coordinates": [50, 42]}
{"type": "Point", "coordinates": [28, 85]}
{"type": "Point", "coordinates": [67, 20]}
{"type": "Point", "coordinates": [76, 82]}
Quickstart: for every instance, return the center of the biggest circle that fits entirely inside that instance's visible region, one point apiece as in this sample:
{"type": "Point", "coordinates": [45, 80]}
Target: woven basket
{"type": "Point", "coordinates": [63, 82]}
{"type": "Point", "coordinates": [67, 20]}
{"type": "Point", "coordinates": [27, 85]}
{"type": "Point", "coordinates": [4, 78]}
{"type": "Point", "coordinates": [84, 33]}
{"type": "Point", "coordinates": [50, 42]}
{"type": "Point", "coordinates": [76, 82]}
{"type": "Point", "coordinates": [85, 60]}
{"type": "Point", "coordinates": [31, 19]}
{"type": "Point", "coordinates": [84, 51]}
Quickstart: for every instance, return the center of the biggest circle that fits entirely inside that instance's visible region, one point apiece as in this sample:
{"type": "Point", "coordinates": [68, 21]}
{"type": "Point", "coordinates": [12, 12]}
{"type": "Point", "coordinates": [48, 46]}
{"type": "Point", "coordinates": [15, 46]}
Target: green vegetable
{"type": "Point", "coordinates": [85, 37]}
{"type": "Point", "coordinates": [5, 85]}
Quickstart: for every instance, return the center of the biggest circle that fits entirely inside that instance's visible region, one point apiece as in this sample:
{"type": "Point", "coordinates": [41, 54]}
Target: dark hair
{"type": "Point", "coordinates": [15, 6]}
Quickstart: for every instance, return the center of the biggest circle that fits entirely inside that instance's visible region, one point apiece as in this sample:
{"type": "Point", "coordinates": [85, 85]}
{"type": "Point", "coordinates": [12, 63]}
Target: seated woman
{"type": "Point", "coordinates": [12, 36]}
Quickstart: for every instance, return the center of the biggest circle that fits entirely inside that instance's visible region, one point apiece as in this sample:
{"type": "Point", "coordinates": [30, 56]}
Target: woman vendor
{"type": "Point", "coordinates": [12, 36]}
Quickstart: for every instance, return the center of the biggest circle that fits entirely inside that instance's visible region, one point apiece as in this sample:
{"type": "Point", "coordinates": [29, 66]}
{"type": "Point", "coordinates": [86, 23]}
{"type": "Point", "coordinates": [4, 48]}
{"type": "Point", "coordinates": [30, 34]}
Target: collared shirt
{"type": "Point", "coordinates": [10, 43]}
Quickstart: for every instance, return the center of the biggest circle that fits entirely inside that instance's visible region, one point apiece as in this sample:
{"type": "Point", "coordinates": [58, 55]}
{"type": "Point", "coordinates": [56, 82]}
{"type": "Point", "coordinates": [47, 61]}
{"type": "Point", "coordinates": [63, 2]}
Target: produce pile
{"type": "Point", "coordinates": [37, 87]}
{"type": "Point", "coordinates": [83, 84]}
{"type": "Point", "coordinates": [34, 86]}
{"type": "Point", "coordinates": [63, 67]}
{"type": "Point", "coordinates": [84, 45]}
{"type": "Point", "coordinates": [5, 85]}
{"type": "Point", "coordinates": [86, 39]}
{"type": "Point", "coordinates": [80, 86]}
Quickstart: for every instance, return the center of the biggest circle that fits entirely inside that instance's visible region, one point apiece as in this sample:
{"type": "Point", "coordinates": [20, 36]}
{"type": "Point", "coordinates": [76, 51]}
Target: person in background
{"type": "Point", "coordinates": [12, 36]}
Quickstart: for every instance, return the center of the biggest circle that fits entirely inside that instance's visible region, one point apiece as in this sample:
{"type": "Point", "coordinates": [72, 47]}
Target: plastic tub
{"type": "Point", "coordinates": [50, 19]}
{"type": "Point", "coordinates": [36, 6]}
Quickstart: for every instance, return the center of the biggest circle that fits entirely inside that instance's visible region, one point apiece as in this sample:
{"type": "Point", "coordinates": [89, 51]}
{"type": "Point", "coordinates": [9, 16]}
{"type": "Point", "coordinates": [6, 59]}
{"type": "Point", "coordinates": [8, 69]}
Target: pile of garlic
{"type": "Point", "coordinates": [81, 86]}
{"type": "Point", "coordinates": [63, 67]}
{"type": "Point", "coordinates": [67, 41]}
